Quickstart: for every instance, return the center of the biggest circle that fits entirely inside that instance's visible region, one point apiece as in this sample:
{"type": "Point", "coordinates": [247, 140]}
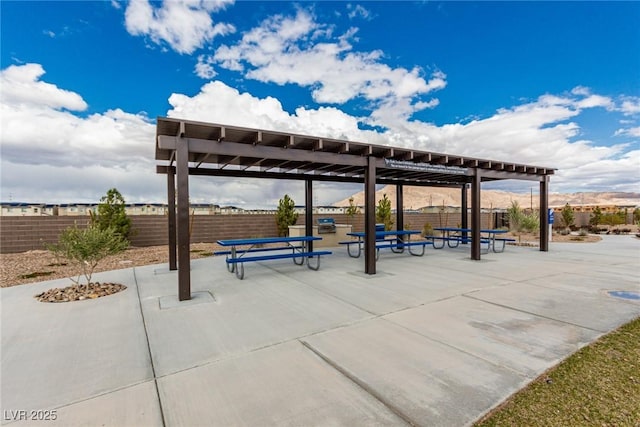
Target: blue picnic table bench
{"type": "Point", "coordinates": [453, 236]}
{"type": "Point", "coordinates": [252, 250]}
{"type": "Point", "coordinates": [394, 240]}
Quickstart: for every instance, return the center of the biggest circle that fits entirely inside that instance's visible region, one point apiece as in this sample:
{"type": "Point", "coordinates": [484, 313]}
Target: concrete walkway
{"type": "Point", "coordinates": [436, 340]}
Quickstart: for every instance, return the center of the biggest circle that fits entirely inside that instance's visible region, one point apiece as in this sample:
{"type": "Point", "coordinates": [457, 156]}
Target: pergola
{"type": "Point", "coordinates": [186, 148]}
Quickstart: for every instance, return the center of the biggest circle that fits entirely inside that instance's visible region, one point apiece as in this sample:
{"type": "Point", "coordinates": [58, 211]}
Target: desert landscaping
{"type": "Point", "coordinates": [39, 265]}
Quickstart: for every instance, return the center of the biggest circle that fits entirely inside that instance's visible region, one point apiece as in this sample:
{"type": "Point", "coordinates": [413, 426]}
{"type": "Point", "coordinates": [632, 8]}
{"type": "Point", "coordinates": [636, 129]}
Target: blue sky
{"type": "Point", "coordinates": [549, 83]}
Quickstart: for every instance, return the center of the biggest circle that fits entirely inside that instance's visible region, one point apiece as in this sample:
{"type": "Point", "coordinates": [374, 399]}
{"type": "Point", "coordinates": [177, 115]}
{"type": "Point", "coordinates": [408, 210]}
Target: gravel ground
{"type": "Point", "coordinates": [40, 265]}
{"type": "Point", "coordinates": [15, 269]}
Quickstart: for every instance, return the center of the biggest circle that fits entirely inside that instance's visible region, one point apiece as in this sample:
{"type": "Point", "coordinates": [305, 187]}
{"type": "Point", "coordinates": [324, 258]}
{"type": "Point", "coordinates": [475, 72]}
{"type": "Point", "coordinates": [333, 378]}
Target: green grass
{"type": "Point", "coordinates": [597, 386]}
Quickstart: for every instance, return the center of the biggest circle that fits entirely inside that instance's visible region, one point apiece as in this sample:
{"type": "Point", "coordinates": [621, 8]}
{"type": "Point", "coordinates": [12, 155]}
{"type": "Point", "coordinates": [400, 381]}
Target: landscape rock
{"type": "Point", "coordinates": [80, 292]}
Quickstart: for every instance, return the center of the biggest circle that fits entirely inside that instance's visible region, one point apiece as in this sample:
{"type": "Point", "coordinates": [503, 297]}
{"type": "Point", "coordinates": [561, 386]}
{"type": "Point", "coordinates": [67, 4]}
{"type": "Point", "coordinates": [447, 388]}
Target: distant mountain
{"type": "Point", "coordinates": [418, 197]}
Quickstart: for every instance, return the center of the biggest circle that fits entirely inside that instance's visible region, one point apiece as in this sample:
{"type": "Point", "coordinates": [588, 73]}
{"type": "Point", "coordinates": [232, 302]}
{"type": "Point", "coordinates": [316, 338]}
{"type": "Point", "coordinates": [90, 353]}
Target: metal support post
{"type": "Point", "coordinates": [370, 217]}
{"type": "Point", "coordinates": [475, 214]}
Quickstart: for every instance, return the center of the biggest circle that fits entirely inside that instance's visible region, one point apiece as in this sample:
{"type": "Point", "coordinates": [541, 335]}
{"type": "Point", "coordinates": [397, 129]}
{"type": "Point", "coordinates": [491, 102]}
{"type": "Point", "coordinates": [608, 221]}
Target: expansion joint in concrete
{"type": "Point", "coordinates": [361, 384]}
{"type": "Point", "coordinates": [532, 313]}
{"type": "Point", "coordinates": [146, 335]}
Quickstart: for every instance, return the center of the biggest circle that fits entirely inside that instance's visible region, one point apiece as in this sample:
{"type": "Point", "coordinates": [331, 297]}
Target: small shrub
{"type": "Point", "coordinates": [514, 216]}
{"type": "Point", "coordinates": [352, 210]}
{"type": "Point", "coordinates": [86, 247]}
{"type": "Point", "coordinates": [530, 222]}
{"type": "Point", "coordinates": [427, 230]}
{"type": "Point", "coordinates": [583, 232]}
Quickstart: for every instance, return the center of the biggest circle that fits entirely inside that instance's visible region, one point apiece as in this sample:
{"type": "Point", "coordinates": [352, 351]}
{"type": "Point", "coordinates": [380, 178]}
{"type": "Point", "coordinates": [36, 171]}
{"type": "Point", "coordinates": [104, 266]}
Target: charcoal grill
{"type": "Point", "coordinates": [326, 225]}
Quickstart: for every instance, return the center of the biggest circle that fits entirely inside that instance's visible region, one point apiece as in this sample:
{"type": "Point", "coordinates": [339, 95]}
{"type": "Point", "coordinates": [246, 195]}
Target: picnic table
{"type": "Point", "coordinates": [252, 250]}
{"type": "Point", "coordinates": [394, 240]}
{"type": "Point", "coordinates": [455, 235]}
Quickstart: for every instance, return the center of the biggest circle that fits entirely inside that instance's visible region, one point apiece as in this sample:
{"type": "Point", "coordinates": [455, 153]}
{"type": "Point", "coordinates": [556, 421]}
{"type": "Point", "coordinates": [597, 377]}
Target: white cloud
{"type": "Point", "coordinates": [52, 154]}
{"type": "Point", "coordinates": [204, 68]}
{"type": "Point", "coordinates": [607, 174]}
{"type": "Point", "coordinates": [543, 132]}
{"type": "Point", "coordinates": [220, 103]}
{"type": "Point", "coordinates": [358, 11]}
{"type": "Point", "coordinates": [630, 106]}
{"type": "Point", "coordinates": [596, 101]}
{"type": "Point", "coordinates": [581, 90]}
{"type": "Point", "coordinates": [298, 50]}
{"type": "Point", "coordinates": [184, 25]}
{"type": "Point", "coordinates": [21, 87]}
{"type": "Point", "coordinates": [634, 132]}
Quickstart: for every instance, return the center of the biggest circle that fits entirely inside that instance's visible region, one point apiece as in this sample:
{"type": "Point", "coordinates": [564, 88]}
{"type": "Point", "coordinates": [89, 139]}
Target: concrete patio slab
{"type": "Point", "coordinates": [429, 383]}
{"type": "Point", "coordinates": [576, 308]}
{"type": "Point", "coordinates": [57, 353]}
{"type": "Point", "coordinates": [520, 341]}
{"type": "Point", "coordinates": [136, 405]}
{"type": "Point", "coordinates": [394, 286]}
{"type": "Point", "coordinates": [283, 385]}
{"type": "Point", "coordinates": [594, 282]}
{"type": "Point", "coordinates": [265, 309]}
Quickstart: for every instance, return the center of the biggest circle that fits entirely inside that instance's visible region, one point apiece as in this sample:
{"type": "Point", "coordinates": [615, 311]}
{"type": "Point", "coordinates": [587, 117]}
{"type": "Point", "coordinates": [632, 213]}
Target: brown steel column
{"type": "Point", "coordinates": [184, 261]}
{"type": "Point", "coordinates": [544, 215]}
{"type": "Point", "coordinates": [308, 212]}
{"type": "Point", "coordinates": [171, 202]}
{"type": "Point", "coordinates": [399, 209]}
{"type": "Point", "coordinates": [475, 215]}
{"type": "Point", "coordinates": [370, 217]}
{"type": "Point", "coordinates": [464, 217]}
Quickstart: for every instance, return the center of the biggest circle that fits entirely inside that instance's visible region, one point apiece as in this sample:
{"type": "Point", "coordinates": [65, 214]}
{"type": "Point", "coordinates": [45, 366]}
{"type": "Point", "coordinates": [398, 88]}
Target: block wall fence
{"type": "Point", "coordinates": [20, 234]}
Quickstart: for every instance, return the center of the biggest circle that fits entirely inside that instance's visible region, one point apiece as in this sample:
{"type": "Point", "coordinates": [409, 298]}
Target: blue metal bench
{"type": "Point", "coordinates": [242, 251]}
{"type": "Point", "coordinates": [503, 241]}
{"type": "Point", "coordinates": [454, 236]}
{"type": "Point", "coordinates": [237, 257]}
{"type": "Point", "coordinates": [386, 240]}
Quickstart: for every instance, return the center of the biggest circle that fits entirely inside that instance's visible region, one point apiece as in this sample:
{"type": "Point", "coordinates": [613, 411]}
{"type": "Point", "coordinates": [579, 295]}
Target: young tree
{"type": "Point", "coordinates": [515, 216]}
{"type": "Point", "coordinates": [383, 213]}
{"type": "Point", "coordinates": [286, 215]}
{"type": "Point", "coordinates": [596, 217]}
{"type": "Point", "coordinates": [567, 215]}
{"type": "Point", "coordinates": [112, 214]}
{"type": "Point", "coordinates": [86, 247]}
{"type": "Point", "coordinates": [352, 210]}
